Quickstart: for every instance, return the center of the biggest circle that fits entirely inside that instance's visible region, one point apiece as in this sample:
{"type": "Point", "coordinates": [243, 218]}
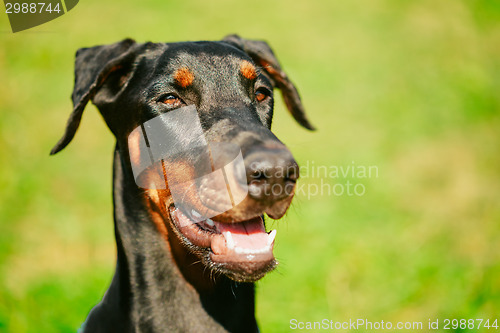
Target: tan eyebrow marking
{"type": "Point", "coordinates": [248, 70]}
{"type": "Point", "coordinates": [184, 77]}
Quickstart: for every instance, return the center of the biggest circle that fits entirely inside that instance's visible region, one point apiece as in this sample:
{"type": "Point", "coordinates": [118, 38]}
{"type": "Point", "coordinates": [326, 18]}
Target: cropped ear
{"type": "Point", "coordinates": [93, 67]}
{"type": "Point", "coordinates": [262, 54]}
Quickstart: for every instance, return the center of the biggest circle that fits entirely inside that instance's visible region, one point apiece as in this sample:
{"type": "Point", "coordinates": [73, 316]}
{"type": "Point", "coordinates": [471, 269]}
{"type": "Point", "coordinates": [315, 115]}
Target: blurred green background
{"type": "Point", "coordinates": [411, 87]}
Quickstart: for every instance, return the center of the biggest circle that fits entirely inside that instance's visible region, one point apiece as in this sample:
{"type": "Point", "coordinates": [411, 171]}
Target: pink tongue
{"type": "Point", "coordinates": [250, 234]}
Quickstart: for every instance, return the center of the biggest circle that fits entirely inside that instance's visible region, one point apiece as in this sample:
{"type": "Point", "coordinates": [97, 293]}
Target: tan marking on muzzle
{"type": "Point", "coordinates": [134, 148]}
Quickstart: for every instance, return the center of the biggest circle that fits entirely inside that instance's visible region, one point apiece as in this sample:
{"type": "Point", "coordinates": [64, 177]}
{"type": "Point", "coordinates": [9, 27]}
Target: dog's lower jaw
{"type": "Point", "coordinates": [149, 293]}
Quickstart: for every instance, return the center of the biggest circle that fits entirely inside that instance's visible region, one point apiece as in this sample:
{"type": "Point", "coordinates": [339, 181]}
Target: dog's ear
{"type": "Point", "coordinates": [93, 69]}
{"type": "Point", "coordinates": [263, 56]}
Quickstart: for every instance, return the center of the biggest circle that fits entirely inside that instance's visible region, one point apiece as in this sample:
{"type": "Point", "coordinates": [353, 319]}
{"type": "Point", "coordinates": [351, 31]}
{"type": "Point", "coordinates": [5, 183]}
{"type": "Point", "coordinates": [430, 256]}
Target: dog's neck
{"type": "Point", "coordinates": [149, 291]}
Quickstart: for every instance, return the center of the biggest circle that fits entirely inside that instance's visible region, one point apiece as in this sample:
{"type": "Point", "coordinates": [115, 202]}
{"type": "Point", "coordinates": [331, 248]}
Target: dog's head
{"type": "Point", "coordinates": [192, 122]}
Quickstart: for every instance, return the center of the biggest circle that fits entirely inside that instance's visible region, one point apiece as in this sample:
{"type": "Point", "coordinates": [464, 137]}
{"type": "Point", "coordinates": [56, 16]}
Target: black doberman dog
{"type": "Point", "coordinates": [174, 275]}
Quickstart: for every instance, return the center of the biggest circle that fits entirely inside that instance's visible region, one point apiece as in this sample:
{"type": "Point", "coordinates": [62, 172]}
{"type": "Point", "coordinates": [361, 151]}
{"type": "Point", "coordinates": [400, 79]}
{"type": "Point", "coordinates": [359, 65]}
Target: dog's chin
{"type": "Point", "coordinates": [242, 250]}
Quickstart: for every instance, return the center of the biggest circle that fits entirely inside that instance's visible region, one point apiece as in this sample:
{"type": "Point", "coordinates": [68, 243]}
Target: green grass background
{"type": "Point", "coordinates": [412, 87]}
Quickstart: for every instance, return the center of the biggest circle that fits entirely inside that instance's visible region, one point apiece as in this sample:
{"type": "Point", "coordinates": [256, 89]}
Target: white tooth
{"type": "Point", "coordinates": [183, 220]}
{"type": "Point", "coordinates": [209, 222]}
{"type": "Point", "coordinates": [195, 213]}
{"type": "Point", "coordinates": [229, 240]}
{"type": "Point", "coordinates": [270, 238]}
{"type": "Point", "coordinates": [241, 250]}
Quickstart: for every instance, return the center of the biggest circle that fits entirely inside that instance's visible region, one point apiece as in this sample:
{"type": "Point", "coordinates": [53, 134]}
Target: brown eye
{"type": "Point", "coordinates": [261, 94]}
{"type": "Point", "coordinates": [171, 100]}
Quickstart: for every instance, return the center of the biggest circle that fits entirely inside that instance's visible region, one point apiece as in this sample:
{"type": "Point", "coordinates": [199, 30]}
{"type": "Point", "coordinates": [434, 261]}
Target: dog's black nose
{"type": "Point", "coordinates": [271, 174]}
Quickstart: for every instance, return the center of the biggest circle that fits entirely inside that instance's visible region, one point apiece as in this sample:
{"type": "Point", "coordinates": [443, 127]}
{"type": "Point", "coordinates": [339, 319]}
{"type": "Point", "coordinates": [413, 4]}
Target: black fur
{"type": "Point", "coordinates": [126, 81]}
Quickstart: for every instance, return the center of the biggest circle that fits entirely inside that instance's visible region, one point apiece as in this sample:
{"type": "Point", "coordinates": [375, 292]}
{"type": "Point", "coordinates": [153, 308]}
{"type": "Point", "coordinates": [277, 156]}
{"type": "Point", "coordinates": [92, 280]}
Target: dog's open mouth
{"type": "Point", "coordinates": [242, 250]}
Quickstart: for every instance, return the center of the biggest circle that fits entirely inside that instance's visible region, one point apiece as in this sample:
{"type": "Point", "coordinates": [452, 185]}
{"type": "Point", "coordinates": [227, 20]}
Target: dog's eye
{"type": "Point", "coordinates": [261, 94]}
{"type": "Point", "coordinates": [171, 100]}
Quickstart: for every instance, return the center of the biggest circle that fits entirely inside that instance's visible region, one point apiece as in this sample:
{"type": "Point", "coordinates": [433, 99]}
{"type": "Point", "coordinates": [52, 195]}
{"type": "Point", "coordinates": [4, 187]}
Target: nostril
{"type": "Point", "coordinates": [258, 175]}
{"type": "Point", "coordinates": [271, 174]}
{"type": "Point", "coordinates": [292, 173]}
{"type": "Point", "coordinates": [260, 171]}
